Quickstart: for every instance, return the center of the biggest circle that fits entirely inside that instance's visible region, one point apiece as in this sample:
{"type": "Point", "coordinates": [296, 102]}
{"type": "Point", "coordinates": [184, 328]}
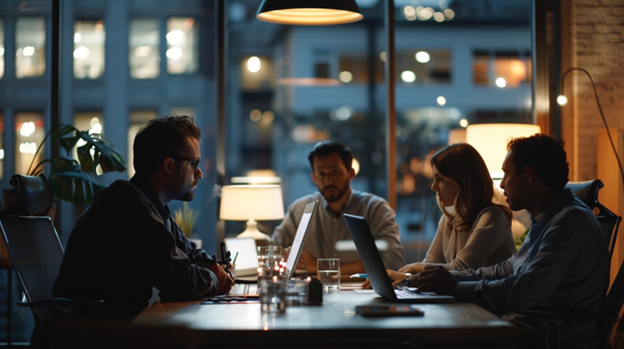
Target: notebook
{"type": "Point", "coordinates": [297, 246]}
{"type": "Point", "coordinates": [382, 285]}
{"type": "Point", "coordinates": [246, 253]}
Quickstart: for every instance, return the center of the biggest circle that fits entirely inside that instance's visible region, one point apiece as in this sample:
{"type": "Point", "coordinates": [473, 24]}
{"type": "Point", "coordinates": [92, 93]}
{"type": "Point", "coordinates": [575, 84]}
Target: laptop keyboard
{"type": "Point", "coordinates": [408, 294]}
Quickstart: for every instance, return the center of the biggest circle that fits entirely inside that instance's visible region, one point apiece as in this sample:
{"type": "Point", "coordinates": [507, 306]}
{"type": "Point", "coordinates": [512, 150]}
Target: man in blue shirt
{"type": "Point", "coordinates": [564, 262]}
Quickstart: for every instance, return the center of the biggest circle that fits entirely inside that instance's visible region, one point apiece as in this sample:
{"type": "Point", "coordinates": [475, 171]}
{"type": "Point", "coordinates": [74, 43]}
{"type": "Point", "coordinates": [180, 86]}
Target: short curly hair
{"type": "Point", "coordinates": [326, 148]}
{"type": "Point", "coordinates": [160, 138]}
{"type": "Point", "coordinates": [545, 155]}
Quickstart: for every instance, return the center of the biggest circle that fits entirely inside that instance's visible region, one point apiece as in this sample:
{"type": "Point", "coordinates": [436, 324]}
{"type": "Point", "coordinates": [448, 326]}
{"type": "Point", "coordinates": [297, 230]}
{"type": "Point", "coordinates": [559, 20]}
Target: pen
{"type": "Point", "coordinates": [223, 251]}
{"type": "Point", "coordinates": [361, 276]}
{"type": "Point", "coordinates": [235, 256]}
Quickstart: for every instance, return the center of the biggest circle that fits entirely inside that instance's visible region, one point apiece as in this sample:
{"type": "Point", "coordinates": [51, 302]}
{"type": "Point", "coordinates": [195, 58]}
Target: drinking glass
{"type": "Point", "coordinates": [328, 272]}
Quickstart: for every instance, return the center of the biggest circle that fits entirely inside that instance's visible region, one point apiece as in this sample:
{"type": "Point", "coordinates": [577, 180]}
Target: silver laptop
{"type": "Point", "coordinates": [297, 246]}
{"type": "Point", "coordinates": [376, 271]}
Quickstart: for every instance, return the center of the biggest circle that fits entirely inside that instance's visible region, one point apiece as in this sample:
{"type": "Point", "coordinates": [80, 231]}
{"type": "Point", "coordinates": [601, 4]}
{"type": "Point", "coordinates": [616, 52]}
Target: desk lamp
{"type": "Point", "coordinates": [250, 203]}
{"type": "Point", "coordinates": [490, 140]}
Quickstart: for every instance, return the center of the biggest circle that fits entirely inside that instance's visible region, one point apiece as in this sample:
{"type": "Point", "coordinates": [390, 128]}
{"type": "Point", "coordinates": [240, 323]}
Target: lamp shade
{"type": "Point", "coordinates": [258, 202]}
{"type": "Point", "coordinates": [309, 12]}
{"type": "Point", "coordinates": [490, 140]}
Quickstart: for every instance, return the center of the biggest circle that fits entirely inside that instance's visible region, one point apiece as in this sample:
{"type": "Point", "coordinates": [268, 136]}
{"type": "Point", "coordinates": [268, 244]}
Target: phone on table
{"type": "Point", "coordinates": [388, 310]}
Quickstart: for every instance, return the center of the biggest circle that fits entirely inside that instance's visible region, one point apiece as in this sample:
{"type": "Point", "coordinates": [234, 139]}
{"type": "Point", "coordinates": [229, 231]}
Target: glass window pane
{"type": "Point", "coordinates": [182, 45]}
{"type": "Point", "coordinates": [29, 132]}
{"type": "Point", "coordinates": [137, 119]}
{"type": "Point", "coordinates": [1, 49]}
{"type": "Point", "coordinates": [144, 55]}
{"type": "Point", "coordinates": [30, 47]}
{"type": "Point", "coordinates": [94, 123]}
{"type": "Point", "coordinates": [89, 37]}
{"type": "Point", "coordinates": [1, 145]}
{"type": "Point", "coordinates": [503, 69]}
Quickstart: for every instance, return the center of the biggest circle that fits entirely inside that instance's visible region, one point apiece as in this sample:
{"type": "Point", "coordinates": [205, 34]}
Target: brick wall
{"type": "Point", "coordinates": [596, 29]}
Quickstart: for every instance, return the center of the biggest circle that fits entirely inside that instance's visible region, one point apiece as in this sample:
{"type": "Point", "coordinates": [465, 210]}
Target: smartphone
{"type": "Point", "coordinates": [388, 310]}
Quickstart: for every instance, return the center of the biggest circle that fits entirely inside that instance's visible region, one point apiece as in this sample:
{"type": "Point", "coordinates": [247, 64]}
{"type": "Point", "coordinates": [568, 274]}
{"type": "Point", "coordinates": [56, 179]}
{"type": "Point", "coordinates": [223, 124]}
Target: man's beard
{"type": "Point", "coordinates": [338, 193]}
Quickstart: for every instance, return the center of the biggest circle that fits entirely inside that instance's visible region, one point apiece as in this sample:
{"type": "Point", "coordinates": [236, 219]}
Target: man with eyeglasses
{"type": "Point", "coordinates": [126, 243]}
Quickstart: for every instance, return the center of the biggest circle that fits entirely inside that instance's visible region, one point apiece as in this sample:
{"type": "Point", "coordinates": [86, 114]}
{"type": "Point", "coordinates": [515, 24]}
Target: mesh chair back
{"type": "Point", "coordinates": [37, 254]}
{"type": "Point", "coordinates": [586, 191]}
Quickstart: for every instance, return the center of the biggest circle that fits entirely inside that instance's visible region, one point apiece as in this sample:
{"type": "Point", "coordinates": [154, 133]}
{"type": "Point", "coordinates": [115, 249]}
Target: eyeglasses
{"type": "Point", "coordinates": [194, 163]}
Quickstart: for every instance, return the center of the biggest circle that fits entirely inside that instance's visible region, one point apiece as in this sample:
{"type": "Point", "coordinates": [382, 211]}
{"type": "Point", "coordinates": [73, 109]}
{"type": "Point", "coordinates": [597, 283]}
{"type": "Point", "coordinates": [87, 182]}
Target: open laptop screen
{"type": "Point", "coordinates": [247, 258]}
{"type": "Point", "coordinates": [295, 251]}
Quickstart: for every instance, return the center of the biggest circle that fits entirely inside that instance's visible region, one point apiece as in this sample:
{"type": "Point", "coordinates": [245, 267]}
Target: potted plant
{"type": "Point", "coordinates": [72, 180]}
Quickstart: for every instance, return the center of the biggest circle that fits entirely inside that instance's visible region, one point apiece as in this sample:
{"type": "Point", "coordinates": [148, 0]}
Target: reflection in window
{"type": "Point", "coordinates": [137, 119]}
{"type": "Point", "coordinates": [353, 68]}
{"type": "Point", "coordinates": [256, 73]}
{"type": "Point", "coordinates": [144, 55]}
{"type": "Point", "coordinates": [29, 132]}
{"type": "Point", "coordinates": [30, 47]}
{"type": "Point", "coordinates": [1, 53]}
{"type": "Point", "coordinates": [422, 66]}
{"type": "Point", "coordinates": [501, 69]}
{"type": "Point", "coordinates": [1, 146]}
{"type": "Point", "coordinates": [91, 121]}
{"type": "Point", "coordinates": [89, 40]}
{"type": "Point", "coordinates": [182, 45]}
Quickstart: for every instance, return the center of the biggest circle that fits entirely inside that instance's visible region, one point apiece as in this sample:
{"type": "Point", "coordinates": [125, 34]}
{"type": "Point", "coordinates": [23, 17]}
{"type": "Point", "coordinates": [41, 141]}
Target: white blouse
{"type": "Point", "coordinates": [487, 243]}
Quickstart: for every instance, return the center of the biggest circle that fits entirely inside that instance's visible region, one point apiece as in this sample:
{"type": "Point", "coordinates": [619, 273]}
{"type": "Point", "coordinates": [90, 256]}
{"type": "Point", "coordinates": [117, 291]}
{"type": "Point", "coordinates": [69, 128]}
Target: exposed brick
{"type": "Point", "coordinates": [618, 10]}
{"type": "Point", "coordinates": [611, 2]}
{"type": "Point", "coordinates": [602, 28]}
{"type": "Point", "coordinates": [614, 37]}
{"type": "Point", "coordinates": [619, 28]}
{"type": "Point", "coordinates": [585, 28]}
{"type": "Point", "coordinates": [612, 19]}
{"type": "Point", "coordinates": [583, 19]}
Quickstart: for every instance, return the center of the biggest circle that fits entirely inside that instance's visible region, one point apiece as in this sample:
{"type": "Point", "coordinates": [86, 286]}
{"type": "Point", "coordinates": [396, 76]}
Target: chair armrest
{"type": "Point", "coordinates": [63, 304]}
{"type": "Point", "coordinates": [552, 316]}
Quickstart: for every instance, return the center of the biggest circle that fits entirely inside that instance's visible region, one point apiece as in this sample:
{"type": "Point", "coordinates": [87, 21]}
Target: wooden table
{"type": "Point", "coordinates": [332, 325]}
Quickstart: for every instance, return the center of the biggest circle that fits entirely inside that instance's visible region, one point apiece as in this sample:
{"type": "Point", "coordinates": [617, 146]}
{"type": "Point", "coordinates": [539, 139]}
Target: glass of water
{"type": "Point", "coordinates": [328, 272]}
{"type": "Point", "coordinates": [273, 295]}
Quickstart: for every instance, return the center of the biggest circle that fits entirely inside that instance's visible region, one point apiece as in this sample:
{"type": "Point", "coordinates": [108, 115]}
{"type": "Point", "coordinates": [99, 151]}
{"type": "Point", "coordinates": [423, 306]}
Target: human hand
{"type": "Point", "coordinates": [413, 268]}
{"type": "Point", "coordinates": [396, 278]}
{"type": "Point", "coordinates": [226, 281]}
{"type": "Point", "coordinates": [437, 280]}
{"type": "Point", "coordinates": [308, 261]}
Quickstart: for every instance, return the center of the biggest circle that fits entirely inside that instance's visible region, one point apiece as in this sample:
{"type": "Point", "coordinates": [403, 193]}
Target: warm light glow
{"type": "Point", "coordinates": [422, 57]}
{"type": "Point", "coordinates": [441, 100]}
{"type": "Point", "coordinates": [267, 117]}
{"type": "Point", "coordinates": [345, 76]}
{"type": "Point", "coordinates": [309, 16]}
{"type": "Point", "coordinates": [1, 50]}
{"type": "Point", "coordinates": [438, 17]}
{"type": "Point", "coordinates": [28, 51]}
{"type": "Point", "coordinates": [1, 154]}
{"type": "Point", "coordinates": [77, 37]}
{"type": "Point", "coordinates": [424, 13]}
{"type": "Point", "coordinates": [408, 76]}
{"type": "Point", "coordinates": [28, 148]}
{"type": "Point", "coordinates": [562, 100]}
{"type": "Point", "coordinates": [491, 142]}
{"type": "Point", "coordinates": [142, 51]}
{"type": "Point", "coordinates": [409, 11]}
{"type": "Point", "coordinates": [255, 115]}
{"type": "Point", "coordinates": [253, 64]}
{"type": "Point", "coordinates": [27, 129]}
{"type": "Point", "coordinates": [308, 82]}
{"type": "Point", "coordinates": [81, 53]}
{"type": "Point", "coordinates": [382, 56]}
{"type": "Point", "coordinates": [174, 37]}
{"type": "Point", "coordinates": [463, 123]}
{"type": "Point", "coordinates": [260, 202]}
{"type": "Point", "coordinates": [500, 82]}
{"type": "Point", "coordinates": [449, 14]}
{"type": "Point", "coordinates": [174, 53]}
{"type": "Point", "coordinates": [356, 166]}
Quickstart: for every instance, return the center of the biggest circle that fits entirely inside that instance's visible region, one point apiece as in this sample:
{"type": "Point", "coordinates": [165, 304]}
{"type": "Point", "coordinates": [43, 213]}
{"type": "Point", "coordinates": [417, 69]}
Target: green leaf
{"type": "Point", "coordinates": [75, 187]}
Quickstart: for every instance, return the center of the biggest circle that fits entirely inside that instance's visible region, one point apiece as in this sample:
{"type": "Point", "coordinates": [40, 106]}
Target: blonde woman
{"type": "Point", "coordinates": [474, 231]}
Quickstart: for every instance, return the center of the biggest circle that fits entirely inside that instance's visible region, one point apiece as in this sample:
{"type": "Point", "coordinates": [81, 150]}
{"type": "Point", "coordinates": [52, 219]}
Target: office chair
{"type": "Point", "coordinates": [36, 252]}
{"type": "Point", "coordinates": [609, 221]}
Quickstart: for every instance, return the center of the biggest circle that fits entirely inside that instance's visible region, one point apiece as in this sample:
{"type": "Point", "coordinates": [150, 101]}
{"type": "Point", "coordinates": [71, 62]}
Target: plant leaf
{"type": "Point", "coordinates": [74, 187]}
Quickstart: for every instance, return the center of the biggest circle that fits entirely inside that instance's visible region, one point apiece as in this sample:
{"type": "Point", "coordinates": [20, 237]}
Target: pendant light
{"type": "Point", "coordinates": [309, 12]}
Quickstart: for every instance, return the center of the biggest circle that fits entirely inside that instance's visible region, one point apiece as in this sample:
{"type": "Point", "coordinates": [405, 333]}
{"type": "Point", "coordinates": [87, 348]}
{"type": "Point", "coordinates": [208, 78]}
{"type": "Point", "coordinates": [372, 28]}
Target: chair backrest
{"type": "Point", "coordinates": [34, 196]}
{"type": "Point", "coordinates": [37, 254]}
{"type": "Point", "coordinates": [612, 307]}
{"type": "Point", "coordinates": [586, 191]}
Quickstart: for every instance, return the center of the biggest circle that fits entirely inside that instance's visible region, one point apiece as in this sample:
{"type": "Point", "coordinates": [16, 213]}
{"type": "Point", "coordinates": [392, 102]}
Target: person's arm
{"type": "Point", "coordinates": [381, 219]}
{"type": "Point", "coordinates": [435, 254]}
{"type": "Point", "coordinates": [309, 263]}
{"type": "Point", "coordinates": [489, 232]}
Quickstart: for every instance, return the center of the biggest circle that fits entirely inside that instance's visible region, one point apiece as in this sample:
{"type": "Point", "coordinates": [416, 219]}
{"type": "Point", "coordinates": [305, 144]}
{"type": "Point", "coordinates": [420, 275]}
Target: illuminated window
{"type": "Point", "coordinates": [89, 38]}
{"type": "Point", "coordinates": [30, 47]}
{"type": "Point", "coordinates": [29, 132]}
{"type": "Point", "coordinates": [424, 66]}
{"type": "Point", "coordinates": [501, 69]}
{"type": "Point", "coordinates": [91, 121]}
{"type": "Point", "coordinates": [1, 146]}
{"type": "Point", "coordinates": [1, 54]}
{"type": "Point", "coordinates": [144, 56]}
{"type": "Point", "coordinates": [256, 73]}
{"type": "Point", "coordinates": [182, 45]}
{"type": "Point", "coordinates": [137, 119]}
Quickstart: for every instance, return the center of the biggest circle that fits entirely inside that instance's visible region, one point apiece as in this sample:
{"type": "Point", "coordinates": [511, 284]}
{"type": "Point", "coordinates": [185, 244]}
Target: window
{"type": "Point", "coordinates": [182, 45]}
{"type": "Point", "coordinates": [424, 66]}
{"type": "Point", "coordinates": [137, 119]}
{"type": "Point", "coordinates": [1, 146]}
{"type": "Point", "coordinates": [504, 69]}
{"type": "Point", "coordinates": [1, 49]}
{"type": "Point", "coordinates": [144, 52]}
{"type": "Point", "coordinates": [89, 40]}
{"type": "Point", "coordinates": [256, 73]}
{"type": "Point", "coordinates": [29, 132]}
{"type": "Point", "coordinates": [30, 47]}
{"type": "Point", "coordinates": [91, 121]}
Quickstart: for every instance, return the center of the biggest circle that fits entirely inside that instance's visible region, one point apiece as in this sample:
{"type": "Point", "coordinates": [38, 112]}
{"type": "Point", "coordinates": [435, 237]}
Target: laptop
{"type": "Point", "coordinates": [297, 246]}
{"type": "Point", "coordinates": [246, 253]}
{"type": "Point", "coordinates": [382, 285]}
